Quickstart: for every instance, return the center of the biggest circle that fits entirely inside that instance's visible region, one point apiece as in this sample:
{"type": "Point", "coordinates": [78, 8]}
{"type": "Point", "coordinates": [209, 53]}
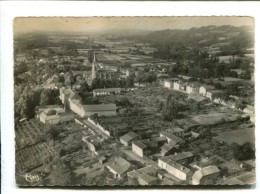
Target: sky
{"type": "Point", "coordinates": [99, 24]}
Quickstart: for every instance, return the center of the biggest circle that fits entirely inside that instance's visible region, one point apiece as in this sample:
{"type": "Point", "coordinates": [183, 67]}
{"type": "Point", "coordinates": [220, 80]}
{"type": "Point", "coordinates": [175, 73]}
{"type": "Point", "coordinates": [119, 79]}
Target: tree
{"type": "Point", "coordinates": [243, 152]}
{"type": "Point", "coordinates": [49, 97]}
{"type": "Point", "coordinates": [52, 133]}
{"type": "Point", "coordinates": [171, 109]}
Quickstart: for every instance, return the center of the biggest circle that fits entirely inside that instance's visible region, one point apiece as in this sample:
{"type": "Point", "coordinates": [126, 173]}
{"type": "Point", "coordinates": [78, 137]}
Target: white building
{"type": "Point", "coordinates": [192, 88]}
{"type": "Point", "coordinates": [99, 109]}
{"type": "Point", "coordinates": [168, 83]}
{"type": "Point", "coordinates": [206, 176]}
{"type": "Point", "coordinates": [174, 168]}
{"type": "Point", "coordinates": [106, 91]}
{"type": "Point", "coordinates": [203, 89]}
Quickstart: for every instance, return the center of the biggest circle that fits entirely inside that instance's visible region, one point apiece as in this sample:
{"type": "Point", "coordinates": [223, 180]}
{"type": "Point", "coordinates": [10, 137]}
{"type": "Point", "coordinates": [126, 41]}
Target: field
{"type": "Point", "coordinates": [239, 136]}
{"type": "Point", "coordinates": [122, 57]}
{"type": "Point", "coordinates": [32, 157]}
{"type": "Point", "coordinates": [28, 133]}
{"type": "Point", "coordinates": [216, 118]}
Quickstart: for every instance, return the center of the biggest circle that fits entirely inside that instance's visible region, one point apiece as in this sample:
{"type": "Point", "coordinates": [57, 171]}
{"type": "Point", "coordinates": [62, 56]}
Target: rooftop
{"type": "Point", "coordinates": [205, 171]}
{"type": "Point", "coordinates": [129, 136]}
{"type": "Point", "coordinates": [176, 130]}
{"type": "Point", "coordinates": [180, 156]}
{"type": "Point", "coordinates": [147, 178]}
{"type": "Point", "coordinates": [174, 164]}
{"type": "Point", "coordinates": [171, 137]}
{"type": "Point", "coordinates": [140, 144]}
{"type": "Point", "coordinates": [119, 165]}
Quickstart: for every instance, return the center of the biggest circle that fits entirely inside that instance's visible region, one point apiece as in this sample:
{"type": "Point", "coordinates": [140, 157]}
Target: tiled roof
{"type": "Point", "coordinates": [140, 144]}
{"type": "Point", "coordinates": [174, 164]}
{"type": "Point", "coordinates": [204, 172]}
{"type": "Point", "coordinates": [129, 136]}
{"type": "Point", "coordinates": [181, 156]}
{"type": "Point", "coordinates": [147, 178]}
{"type": "Point", "coordinates": [171, 137]}
{"type": "Point", "coordinates": [119, 165]}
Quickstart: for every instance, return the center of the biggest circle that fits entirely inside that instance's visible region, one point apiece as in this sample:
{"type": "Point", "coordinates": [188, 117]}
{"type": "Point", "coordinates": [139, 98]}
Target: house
{"type": "Point", "coordinates": [168, 84]}
{"type": "Point", "coordinates": [128, 138]}
{"type": "Point", "coordinates": [206, 176]}
{"type": "Point", "coordinates": [140, 148]}
{"type": "Point", "coordinates": [169, 148]}
{"type": "Point", "coordinates": [118, 167]}
{"type": "Point", "coordinates": [249, 110]}
{"type": "Point", "coordinates": [52, 117]}
{"type": "Point", "coordinates": [174, 168]}
{"type": "Point", "coordinates": [147, 146]}
{"type": "Point", "coordinates": [171, 138]}
{"type": "Point", "coordinates": [203, 89]}
{"type": "Point", "coordinates": [106, 91]}
{"type": "Point", "coordinates": [57, 108]}
{"type": "Point", "coordinates": [145, 179]}
{"type": "Point", "coordinates": [212, 94]}
{"type": "Point", "coordinates": [167, 181]}
{"type": "Point", "coordinates": [52, 82]}
{"type": "Point", "coordinates": [176, 85]}
{"type": "Point", "coordinates": [183, 86]}
{"type": "Point", "coordinates": [176, 131]}
{"type": "Point", "coordinates": [150, 170]}
{"type": "Point", "coordinates": [192, 88]}
{"type": "Point", "coordinates": [99, 109]}
{"type": "Point", "coordinates": [65, 95]}
{"type": "Point", "coordinates": [182, 158]}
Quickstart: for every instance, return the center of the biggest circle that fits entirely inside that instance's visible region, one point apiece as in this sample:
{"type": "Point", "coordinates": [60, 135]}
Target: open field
{"type": "Point", "coordinates": [216, 118]}
{"type": "Point", "coordinates": [239, 136]}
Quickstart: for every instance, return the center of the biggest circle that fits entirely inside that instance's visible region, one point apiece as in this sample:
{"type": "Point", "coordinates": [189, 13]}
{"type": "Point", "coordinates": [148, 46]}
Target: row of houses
{"type": "Point", "coordinates": [176, 165]}
{"type": "Point", "coordinates": [106, 91]}
{"type": "Point", "coordinates": [204, 90]}
{"type": "Point", "coordinates": [207, 91]}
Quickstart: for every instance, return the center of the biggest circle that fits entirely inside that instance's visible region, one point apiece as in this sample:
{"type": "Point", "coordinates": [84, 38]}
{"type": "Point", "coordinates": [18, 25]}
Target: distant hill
{"type": "Point", "coordinates": [203, 36]}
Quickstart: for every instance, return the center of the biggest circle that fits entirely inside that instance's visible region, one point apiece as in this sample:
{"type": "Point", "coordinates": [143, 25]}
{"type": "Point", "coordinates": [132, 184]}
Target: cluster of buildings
{"type": "Point", "coordinates": [73, 102]}
{"type": "Point", "coordinates": [171, 162]}
{"type": "Point", "coordinates": [208, 91]}
{"type": "Point", "coordinates": [202, 91]}
{"type": "Point", "coordinates": [53, 114]}
{"type": "Point", "coordinates": [177, 165]}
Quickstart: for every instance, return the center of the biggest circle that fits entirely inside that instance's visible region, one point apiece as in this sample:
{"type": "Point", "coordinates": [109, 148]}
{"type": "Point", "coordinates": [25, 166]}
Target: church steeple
{"type": "Point", "coordinates": [93, 67]}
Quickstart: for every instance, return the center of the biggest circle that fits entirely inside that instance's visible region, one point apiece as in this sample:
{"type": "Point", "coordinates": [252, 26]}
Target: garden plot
{"type": "Point", "coordinates": [216, 118]}
{"type": "Point", "coordinates": [239, 136]}
{"type": "Point", "coordinates": [112, 57]}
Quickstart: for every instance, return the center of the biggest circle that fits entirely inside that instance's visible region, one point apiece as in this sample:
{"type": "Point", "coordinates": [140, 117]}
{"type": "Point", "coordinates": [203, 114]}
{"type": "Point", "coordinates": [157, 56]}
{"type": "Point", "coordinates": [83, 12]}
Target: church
{"type": "Point", "coordinates": [99, 73]}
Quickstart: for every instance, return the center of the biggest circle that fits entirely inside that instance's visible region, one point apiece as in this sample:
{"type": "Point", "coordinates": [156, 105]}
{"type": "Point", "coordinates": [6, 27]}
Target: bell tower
{"type": "Point", "coordinates": [93, 67]}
